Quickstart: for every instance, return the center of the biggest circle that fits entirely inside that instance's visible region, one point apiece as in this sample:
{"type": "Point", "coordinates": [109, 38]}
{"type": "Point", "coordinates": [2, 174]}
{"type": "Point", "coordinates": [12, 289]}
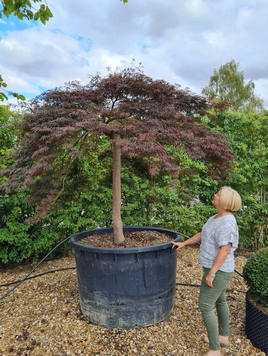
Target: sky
{"type": "Point", "coordinates": [180, 41]}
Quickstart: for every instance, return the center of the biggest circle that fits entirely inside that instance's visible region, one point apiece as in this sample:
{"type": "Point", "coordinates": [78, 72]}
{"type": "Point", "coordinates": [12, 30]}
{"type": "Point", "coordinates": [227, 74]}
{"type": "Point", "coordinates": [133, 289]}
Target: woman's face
{"type": "Point", "coordinates": [216, 199]}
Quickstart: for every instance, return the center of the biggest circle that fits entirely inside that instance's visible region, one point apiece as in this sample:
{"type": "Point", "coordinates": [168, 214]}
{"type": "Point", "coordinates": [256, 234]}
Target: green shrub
{"type": "Point", "coordinates": [20, 241]}
{"type": "Point", "coordinates": [255, 273]}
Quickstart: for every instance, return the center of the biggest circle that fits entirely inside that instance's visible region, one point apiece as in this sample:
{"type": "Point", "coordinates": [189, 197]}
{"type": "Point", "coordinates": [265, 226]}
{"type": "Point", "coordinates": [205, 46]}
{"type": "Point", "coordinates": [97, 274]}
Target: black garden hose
{"type": "Point", "coordinates": [19, 282]}
{"type": "Point", "coordinates": [37, 275]}
{"type": "Point", "coordinates": [70, 268]}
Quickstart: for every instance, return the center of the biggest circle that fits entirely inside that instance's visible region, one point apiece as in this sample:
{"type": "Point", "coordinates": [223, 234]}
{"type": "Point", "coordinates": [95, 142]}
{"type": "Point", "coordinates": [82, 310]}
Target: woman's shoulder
{"type": "Point", "coordinates": [228, 222]}
{"type": "Point", "coordinates": [230, 216]}
{"type": "Point", "coordinates": [226, 217]}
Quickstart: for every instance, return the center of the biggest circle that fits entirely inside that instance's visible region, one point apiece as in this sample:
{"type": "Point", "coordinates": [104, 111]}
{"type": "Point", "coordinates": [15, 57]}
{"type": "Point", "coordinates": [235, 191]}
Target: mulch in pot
{"type": "Point", "coordinates": [132, 239]}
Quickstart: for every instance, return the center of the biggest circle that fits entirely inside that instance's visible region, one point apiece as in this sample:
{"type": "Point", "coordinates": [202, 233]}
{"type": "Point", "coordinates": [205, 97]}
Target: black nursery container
{"type": "Point", "coordinates": [256, 326]}
{"type": "Point", "coordinates": [126, 287]}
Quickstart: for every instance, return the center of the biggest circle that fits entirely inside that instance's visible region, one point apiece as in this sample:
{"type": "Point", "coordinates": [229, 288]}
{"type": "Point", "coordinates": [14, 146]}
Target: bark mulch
{"type": "Point", "coordinates": [42, 317]}
{"type": "Point", "coordinates": [132, 239]}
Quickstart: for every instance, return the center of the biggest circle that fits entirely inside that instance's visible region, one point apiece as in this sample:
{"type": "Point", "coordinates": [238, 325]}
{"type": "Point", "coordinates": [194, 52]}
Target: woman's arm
{"type": "Point", "coordinates": [218, 262]}
{"type": "Point", "coordinates": [193, 240]}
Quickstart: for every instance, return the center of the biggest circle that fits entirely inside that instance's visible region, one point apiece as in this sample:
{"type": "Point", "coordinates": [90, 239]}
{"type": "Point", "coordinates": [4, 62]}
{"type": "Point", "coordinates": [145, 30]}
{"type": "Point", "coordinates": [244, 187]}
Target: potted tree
{"type": "Point", "coordinates": [141, 117]}
{"type": "Point", "coordinates": [255, 273]}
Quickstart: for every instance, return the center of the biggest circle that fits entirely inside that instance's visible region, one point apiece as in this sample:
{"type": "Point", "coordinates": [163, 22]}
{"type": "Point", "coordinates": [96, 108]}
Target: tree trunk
{"type": "Point", "coordinates": [116, 215]}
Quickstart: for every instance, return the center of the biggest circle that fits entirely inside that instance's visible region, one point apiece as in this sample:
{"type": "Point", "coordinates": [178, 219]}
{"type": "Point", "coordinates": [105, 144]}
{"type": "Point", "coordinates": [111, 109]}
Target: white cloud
{"type": "Point", "coordinates": [42, 57]}
{"type": "Point", "coordinates": [196, 8]}
{"type": "Point", "coordinates": [179, 41]}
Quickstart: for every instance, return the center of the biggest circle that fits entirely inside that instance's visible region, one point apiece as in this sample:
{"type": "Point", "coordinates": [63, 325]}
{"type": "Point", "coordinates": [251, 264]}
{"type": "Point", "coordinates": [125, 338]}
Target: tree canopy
{"type": "Point", "coordinates": [140, 115]}
{"type": "Point", "coordinates": [227, 85]}
{"type": "Point", "coordinates": [25, 9]}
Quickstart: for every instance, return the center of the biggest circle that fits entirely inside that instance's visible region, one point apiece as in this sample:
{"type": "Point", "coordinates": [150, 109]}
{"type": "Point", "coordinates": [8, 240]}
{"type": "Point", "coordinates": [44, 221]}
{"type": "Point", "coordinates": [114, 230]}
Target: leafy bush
{"type": "Point", "coordinates": [20, 241]}
{"type": "Point", "coordinates": [255, 273]}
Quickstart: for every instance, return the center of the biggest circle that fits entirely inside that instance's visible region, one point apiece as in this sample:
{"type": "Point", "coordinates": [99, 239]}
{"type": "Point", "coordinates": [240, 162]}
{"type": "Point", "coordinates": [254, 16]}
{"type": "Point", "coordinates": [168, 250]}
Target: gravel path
{"type": "Point", "coordinates": [42, 317]}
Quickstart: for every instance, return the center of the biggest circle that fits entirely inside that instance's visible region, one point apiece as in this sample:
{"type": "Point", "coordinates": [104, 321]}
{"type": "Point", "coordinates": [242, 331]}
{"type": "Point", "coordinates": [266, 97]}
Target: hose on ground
{"type": "Point", "coordinates": [35, 267]}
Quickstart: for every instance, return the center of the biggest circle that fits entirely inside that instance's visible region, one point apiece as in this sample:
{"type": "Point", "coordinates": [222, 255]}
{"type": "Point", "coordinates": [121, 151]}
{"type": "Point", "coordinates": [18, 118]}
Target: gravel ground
{"type": "Point", "coordinates": [42, 317]}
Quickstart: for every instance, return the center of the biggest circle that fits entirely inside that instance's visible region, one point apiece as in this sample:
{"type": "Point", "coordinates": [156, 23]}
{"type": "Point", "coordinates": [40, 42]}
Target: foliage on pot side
{"type": "Point", "coordinates": [255, 273]}
{"type": "Point", "coordinates": [20, 241]}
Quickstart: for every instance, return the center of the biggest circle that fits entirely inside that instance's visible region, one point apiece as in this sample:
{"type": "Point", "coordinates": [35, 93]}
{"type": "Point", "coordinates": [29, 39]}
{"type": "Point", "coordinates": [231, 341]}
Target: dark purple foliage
{"type": "Point", "coordinates": [147, 114]}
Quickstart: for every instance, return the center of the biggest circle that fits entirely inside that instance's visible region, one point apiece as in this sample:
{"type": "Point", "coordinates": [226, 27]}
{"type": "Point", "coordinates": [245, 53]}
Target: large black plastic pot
{"type": "Point", "coordinates": [256, 326]}
{"type": "Point", "coordinates": [126, 287]}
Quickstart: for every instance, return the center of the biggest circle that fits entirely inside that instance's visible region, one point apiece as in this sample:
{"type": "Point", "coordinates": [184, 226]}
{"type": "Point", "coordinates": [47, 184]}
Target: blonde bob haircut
{"type": "Point", "coordinates": [229, 199]}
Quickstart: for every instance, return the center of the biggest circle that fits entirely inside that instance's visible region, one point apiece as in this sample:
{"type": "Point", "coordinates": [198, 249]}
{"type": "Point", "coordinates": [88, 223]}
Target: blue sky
{"type": "Point", "coordinates": [179, 41]}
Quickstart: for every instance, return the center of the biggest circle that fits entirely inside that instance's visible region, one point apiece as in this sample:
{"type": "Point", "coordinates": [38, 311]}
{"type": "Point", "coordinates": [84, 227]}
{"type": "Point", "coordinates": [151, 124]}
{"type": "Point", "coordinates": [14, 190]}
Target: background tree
{"type": "Point", "coordinates": [25, 9]}
{"type": "Point", "coordinates": [140, 116]}
{"type": "Point", "coordinates": [8, 137]}
{"type": "Point", "coordinates": [227, 85]}
{"type": "Point", "coordinates": [247, 134]}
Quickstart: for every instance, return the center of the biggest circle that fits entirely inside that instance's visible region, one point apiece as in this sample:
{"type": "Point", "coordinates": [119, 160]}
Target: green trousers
{"type": "Point", "coordinates": [208, 299]}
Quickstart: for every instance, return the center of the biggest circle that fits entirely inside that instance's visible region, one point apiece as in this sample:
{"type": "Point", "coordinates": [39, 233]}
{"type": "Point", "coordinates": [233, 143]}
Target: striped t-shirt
{"type": "Point", "coordinates": [216, 233]}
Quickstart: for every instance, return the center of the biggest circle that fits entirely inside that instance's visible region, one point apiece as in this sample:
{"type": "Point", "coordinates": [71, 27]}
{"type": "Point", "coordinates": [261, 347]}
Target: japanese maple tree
{"type": "Point", "coordinates": [140, 116]}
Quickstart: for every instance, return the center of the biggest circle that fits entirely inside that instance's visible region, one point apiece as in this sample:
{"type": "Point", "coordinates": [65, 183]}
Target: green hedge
{"type": "Point", "coordinates": [255, 273]}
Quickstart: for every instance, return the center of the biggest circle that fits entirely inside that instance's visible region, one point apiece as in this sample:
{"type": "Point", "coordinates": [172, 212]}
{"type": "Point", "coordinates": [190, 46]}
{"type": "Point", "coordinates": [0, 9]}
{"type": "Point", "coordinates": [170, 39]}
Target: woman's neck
{"type": "Point", "coordinates": [222, 212]}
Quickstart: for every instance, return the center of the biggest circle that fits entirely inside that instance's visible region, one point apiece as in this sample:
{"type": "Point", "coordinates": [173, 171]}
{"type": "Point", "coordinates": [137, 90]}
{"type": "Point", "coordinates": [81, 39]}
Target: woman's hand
{"type": "Point", "coordinates": [209, 280]}
{"type": "Point", "coordinates": [177, 245]}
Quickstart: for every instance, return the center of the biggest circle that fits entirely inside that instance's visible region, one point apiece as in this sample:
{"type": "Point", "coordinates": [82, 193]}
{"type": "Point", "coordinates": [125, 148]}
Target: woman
{"type": "Point", "coordinates": [219, 240]}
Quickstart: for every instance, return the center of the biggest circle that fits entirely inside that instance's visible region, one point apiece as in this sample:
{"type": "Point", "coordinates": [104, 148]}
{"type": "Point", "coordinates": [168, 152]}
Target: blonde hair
{"type": "Point", "coordinates": [229, 199]}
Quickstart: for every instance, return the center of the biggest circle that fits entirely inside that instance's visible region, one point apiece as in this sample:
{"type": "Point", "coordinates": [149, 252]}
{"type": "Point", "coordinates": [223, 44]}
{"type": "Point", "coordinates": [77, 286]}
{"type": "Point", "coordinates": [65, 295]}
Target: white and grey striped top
{"type": "Point", "coordinates": [216, 233]}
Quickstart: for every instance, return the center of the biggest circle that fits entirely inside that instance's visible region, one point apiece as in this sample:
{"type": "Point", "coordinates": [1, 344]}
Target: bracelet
{"type": "Point", "coordinates": [212, 274]}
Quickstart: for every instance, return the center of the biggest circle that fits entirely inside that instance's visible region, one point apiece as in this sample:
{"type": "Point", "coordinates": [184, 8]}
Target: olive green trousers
{"type": "Point", "coordinates": [208, 299]}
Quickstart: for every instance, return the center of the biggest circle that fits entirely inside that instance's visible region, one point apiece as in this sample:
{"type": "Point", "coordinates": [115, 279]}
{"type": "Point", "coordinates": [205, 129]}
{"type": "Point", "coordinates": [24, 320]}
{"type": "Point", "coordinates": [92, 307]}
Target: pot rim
{"type": "Point", "coordinates": [78, 236]}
